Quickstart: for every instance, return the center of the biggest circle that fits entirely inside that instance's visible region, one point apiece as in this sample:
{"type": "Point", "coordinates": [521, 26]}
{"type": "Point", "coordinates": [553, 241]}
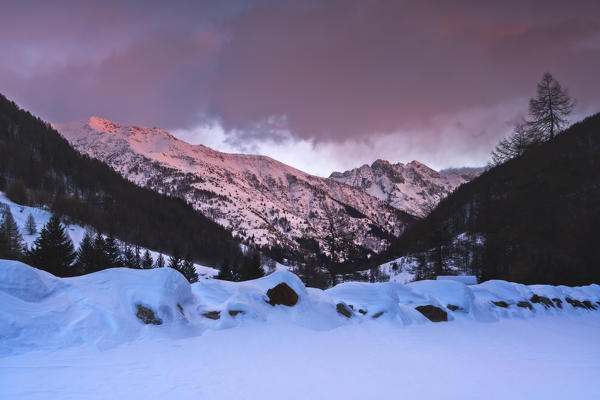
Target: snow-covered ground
{"type": "Point", "coordinates": [79, 338]}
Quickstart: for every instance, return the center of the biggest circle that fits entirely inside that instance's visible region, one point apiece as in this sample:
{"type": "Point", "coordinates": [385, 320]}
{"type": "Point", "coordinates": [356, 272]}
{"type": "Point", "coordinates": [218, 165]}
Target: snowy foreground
{"type": "Point", "coordinates": [80, 338]}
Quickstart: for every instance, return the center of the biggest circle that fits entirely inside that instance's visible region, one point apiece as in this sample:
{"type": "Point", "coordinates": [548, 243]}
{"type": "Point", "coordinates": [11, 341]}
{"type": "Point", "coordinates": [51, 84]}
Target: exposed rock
{"type": "Point", "coordinates": [525, 304]}
{"type": "Point", "coordinates": [379, 314]}
{"type": "Point", "coordinates": [212, 315]}
{"type": "Point", "coordinates": [344, 310]}
{"type": "Point", "coordinates": [433, 313]}
{"type": "Point", "coordinates": [502, 304]}
{"type": "Point", "coordinates": [363, 312]}
{"type": "Point", "coordinates": [588, 304]}
{"type": "Point", "coordinates": [233, 313]}
{"type": "Point", "coordinates": [452, 307]}
{"type": "Point", "coordinates": [575, 303]}
{"type": "Point", "coordinates": [146, 315]}
{"type": "Point", "coordinates": [180, 308]}
{"type": "Point", "coordinates": [282, 294]}
{"type": "Point", "coordinates": [543, 300]}
{"type": "Point", "coordinates": [558, 302]}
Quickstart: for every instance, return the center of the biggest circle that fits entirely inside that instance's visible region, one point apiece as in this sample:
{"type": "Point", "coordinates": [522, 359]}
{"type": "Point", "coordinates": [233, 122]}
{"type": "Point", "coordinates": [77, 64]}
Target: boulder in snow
{"type": "Point", "coordinates": [344, 310]}
{"type": "Point", "coordinates": [146, 315]}
{"type": "Point", "coordinates": [433, 313]}
{"type": "Point", "coordinates": [282, 294]}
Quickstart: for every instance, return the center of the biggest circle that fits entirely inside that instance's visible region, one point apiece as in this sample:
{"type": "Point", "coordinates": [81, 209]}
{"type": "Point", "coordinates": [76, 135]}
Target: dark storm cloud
{"type": "Point", "coordinates": [329, 71]}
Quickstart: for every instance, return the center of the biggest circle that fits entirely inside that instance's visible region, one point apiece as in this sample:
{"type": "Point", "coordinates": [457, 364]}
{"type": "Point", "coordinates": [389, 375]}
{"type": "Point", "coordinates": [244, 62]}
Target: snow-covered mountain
{"type": "Point", "coordinates": [263, 201]}
{"type": "Point", "coordinates": [414, 187]}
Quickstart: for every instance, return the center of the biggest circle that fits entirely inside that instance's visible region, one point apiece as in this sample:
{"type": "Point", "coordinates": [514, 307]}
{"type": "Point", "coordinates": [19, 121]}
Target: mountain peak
{"type": "Point", "coordinates": [102, 125]}
{"type": "Point", "coordinates": [414, 187]}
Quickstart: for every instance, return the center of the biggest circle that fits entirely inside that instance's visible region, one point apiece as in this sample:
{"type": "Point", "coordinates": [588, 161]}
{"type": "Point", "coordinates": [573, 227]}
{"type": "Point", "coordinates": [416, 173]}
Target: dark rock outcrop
{"type": "Point", "coordinates": [575, 303]}
{"type": "Point", "coordinates": [558, 302]}
{"type": "Point", "coordinates": [282, 294]}
{"type": "Point", "coordinates": [535, 299]}
{"type": "Point", "coordinates": [344, 310]}
{"type": "Point", "coordinates": [525, 304]}
{"type": "Point", "coordinates": [212, 315]}
{"type": "Point", "coordinates": [433, 313]}
{"type": "Point", "coordinates": [502, 304]}
{"type": "Point", "coordinates": [233, 313]}
{"type": "Point", "coordinates": [146, 315]}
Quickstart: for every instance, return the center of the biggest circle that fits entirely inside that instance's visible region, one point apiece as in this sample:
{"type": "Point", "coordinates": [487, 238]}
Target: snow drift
{"type": "Point", "coordinates": [114, 306]}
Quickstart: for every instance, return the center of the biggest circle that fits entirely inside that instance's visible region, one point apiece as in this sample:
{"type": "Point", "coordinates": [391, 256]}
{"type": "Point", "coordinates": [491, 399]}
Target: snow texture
{"type": "Point", "coordinates": [77, 338]}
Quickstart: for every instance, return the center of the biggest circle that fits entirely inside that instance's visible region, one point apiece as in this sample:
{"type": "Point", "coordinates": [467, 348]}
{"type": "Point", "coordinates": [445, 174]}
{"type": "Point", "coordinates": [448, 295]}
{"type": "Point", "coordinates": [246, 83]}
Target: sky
{"type": "Point", "coordinates": [322, 85]}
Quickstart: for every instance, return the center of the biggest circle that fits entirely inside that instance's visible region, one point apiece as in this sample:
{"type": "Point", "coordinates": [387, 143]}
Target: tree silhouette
{"type": "Point", "coordinates": [550, 108]}
{"type": "Point", "coordinates": [13, 246]}
{"type": "Point", "coordinates": [53, 249]}
{"type": "Point", "coordinates": [30, 225]}
{"type": "Point", "coordinates": [147, 260]}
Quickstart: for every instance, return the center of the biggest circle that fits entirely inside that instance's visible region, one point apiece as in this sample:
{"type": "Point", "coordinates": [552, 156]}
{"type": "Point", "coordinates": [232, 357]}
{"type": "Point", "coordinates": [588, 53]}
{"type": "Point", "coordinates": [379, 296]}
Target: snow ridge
{"type": "Point", "coordinates": [414, 187]}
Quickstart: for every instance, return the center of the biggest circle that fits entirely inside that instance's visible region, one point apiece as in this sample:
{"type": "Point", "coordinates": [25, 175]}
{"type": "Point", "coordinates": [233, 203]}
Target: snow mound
{"type": "Point", "coordinates": [119, 305]}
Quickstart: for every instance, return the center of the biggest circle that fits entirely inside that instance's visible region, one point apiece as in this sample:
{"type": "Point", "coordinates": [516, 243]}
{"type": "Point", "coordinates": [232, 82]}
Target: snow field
{"type": "Point", "coordinates": [41, 311]}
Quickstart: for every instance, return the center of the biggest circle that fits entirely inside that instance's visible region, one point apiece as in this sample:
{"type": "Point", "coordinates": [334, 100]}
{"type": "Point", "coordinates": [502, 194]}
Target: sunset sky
{"type": "Point", "coordinates": [321, 85]}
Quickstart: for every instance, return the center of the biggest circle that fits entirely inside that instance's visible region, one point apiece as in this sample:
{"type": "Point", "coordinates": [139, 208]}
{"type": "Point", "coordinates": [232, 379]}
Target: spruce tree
{"type": "Point", "coordinates": [175, 260]}
{"type": "Point", "coordinates": [147, 260]}
{"type": "Point", "coordinates": [99, 252]}
{"type": "Point", "coordinates": [30, 225]}
{"type": "Point", "coordinates": [188, 270]}
{"type": "Point", "coordinates": [160, 261]}
{"type": "Point", "coordinates": [138, 258]}
{"type": "Point", "coordinates": [86, 257]}
{"type": "Point", "coordinates": [13, 241]}
{"type": "Point", "coordinates": [129, 258]}
{"type": "Point", "coordinates": [225, 272]}
{"type": "Point", "coordinates": [53, 249]}
{"type": "Point", "coordinates": [112, 252]}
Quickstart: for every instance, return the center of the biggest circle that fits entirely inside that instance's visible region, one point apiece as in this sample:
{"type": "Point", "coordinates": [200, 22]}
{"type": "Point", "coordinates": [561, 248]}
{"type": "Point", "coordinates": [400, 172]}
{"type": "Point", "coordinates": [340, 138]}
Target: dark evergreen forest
{"type": "Point", "coordinates": [538, 215]}
{"type": "Point", "coordinates": [39, 168]}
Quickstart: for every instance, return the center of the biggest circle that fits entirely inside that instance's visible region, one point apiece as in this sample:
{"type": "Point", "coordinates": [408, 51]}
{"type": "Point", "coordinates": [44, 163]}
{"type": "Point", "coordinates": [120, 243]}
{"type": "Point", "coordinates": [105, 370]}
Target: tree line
{"type": "Point", "coordinates": [39, 168]}
{"type": "Point", "coordinates": [53, 250]}
{"type": "Point", "coordinates": [534, 218]}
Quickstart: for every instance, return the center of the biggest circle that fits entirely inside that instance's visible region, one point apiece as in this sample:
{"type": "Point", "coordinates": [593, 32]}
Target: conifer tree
{"type": "Point", "coordinates": [175, 260]}
{"type": "Point", "coordinates": [129, 258]}
{"type": "Point", "coordinates": [30, 225]}
{"type": "Point", "coordinates": [13, 241]}
{"type": "Point", "coordinates": [86, 257]}
{"type": "Point", "coordinates": [138, 258]}
{"type": "Point", "coordinates": [188, 270]}
{"type": "Point", "coordinates": [112, 252]}
{"type": "Point", "coordinates": [160, 261]}
{"type": "Point", "coordinates": [53, 249]}
{"type": "Point", "coordinates": [550, 108]}
{"type": "Point", "coordinates": [251, 268]}
{"type": "Point", "coordinates": [147, 260]}
{"type": "Point", "coordinates": [100, 257]}
{"type": "Point", "coordinates": [225, 272]}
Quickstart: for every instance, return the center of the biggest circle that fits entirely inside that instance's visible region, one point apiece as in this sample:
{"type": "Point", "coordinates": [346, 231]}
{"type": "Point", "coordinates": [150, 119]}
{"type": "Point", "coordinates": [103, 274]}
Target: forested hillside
{"type": "Point", "coordinates": [533, 219]}
{"type": "Point", "coordinates": [38, 167]}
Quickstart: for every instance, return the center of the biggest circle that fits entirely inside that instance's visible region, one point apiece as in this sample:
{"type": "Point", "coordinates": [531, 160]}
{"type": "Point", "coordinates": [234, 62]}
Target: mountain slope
{"type": "Point", "coordinates": [413, 187]}
{"type": "Point", "coordinates": [263, 201]}
{"type": "Point", "coordinates": [537, 216]}
{"type": "Point", "coordinates": [84, 190]}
